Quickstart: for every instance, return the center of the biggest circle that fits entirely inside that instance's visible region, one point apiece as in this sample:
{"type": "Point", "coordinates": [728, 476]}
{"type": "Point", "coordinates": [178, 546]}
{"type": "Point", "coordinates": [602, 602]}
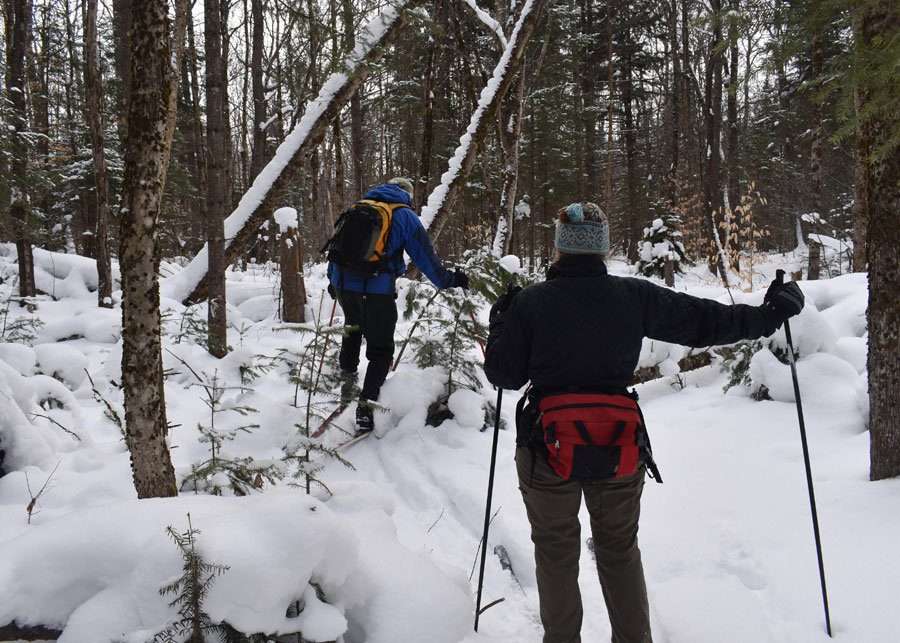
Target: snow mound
{"type": "Point", "coordinates": [62, 362]}
{"type": "Point", "coordinates": [98, 572]}
{"type": "Point", "coordinates": [466, 407]}
{"type": "Point", "coordinates": [18, 356]}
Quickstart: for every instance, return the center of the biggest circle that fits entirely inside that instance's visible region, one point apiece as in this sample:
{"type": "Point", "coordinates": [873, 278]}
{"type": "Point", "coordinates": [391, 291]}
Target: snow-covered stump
{"type": "Point", "coordinates": [293, 290]}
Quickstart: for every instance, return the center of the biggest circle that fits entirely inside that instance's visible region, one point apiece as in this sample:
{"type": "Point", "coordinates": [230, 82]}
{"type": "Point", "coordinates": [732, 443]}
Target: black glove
{"type": "Point", "coordinates": [503, 302]}
{"type": "Point", "coordinates": [783, 300]}
{"type": "Point", "coordinates": [460, 280]}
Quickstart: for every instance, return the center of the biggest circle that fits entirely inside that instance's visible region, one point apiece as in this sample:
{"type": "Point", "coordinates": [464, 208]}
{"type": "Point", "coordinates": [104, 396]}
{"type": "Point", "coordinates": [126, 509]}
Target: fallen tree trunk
{"type": "Point", "coordinates": [443, 196]}
{"type": "Point", "coordinates": [263, 197]}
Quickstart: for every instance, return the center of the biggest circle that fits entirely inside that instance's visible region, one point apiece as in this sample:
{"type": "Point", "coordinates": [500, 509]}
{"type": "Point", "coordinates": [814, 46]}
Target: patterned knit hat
{"type": "Point", "coordinates": [403, 183]}
{"type": "Point", "coordinates": [582, 229]}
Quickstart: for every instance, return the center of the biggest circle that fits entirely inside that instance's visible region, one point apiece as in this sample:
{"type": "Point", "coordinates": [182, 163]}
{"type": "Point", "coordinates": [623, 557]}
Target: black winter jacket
{"type": "Point", "coordinates": [583, 328]}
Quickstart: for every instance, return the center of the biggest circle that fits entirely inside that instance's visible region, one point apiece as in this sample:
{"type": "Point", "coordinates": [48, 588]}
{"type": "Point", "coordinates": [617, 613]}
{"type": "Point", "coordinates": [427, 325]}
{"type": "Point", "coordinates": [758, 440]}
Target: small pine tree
{"type": "Point", "coordinates": [190, 591]}
{"type": "Point", "coordinates": [661, 243]}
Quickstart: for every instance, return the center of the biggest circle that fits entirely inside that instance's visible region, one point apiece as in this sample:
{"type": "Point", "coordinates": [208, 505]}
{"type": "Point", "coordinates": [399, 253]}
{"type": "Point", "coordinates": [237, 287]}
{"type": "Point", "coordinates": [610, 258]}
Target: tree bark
{"type": "Point", "coordinates": [733, 149]}
{"type": "Point", "coordinates": [217, 341]}
{"type": "Point", "coordinates": [712, 113]}
{"type": "Point", "coordinates": [20, 209]}
{"type": "Point", "coordinates": [122, 58]}
{"type": "Point", "coordinates": [293, 291]}
{"type": "Point", "coordinates": [259, 152]}
{"type": "Point", "coordinates": [879, 20]}
{"type": "Point", "coordinates": [146, 159]}
{"type": "Point", "coordinates": [93, 90]}
{"type": "Point", "coordinates": [632, 210]}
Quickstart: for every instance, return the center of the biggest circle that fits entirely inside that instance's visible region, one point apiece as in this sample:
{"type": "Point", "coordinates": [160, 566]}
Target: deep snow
{"type": "Point", "coordinates": [727, 540]}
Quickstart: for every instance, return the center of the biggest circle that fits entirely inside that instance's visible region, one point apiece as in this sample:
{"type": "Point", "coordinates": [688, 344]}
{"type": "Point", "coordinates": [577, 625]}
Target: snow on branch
{"type": "Point", "coordinates": [258, 203]}
{"type": "Point", "coordinates": [489, 22]}
{"type": "Point", "coordinates": [441, 198]}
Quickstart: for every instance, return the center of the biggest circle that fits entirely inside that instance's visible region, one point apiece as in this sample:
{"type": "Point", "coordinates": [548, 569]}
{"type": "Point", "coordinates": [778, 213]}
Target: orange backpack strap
{"type": "Point", "coordinates": [386, 210]}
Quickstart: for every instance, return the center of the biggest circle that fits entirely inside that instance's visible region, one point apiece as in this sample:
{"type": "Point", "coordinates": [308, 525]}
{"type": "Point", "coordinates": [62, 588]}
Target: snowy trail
{"type": "Point", "coordinates": [727, 541]}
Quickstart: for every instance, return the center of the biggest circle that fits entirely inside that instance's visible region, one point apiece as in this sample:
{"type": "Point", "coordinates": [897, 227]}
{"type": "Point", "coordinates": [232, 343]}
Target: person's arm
{"type": "Point", "coordinates": [508, 349]}
{"type": "Point", "coordinates": [418, 245]}
{"type": "Point", "coordinates": [693, 321]}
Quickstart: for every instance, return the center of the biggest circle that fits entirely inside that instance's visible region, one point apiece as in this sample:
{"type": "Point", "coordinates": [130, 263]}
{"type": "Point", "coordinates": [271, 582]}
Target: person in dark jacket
{"type": "Point", "coordinates": [369, 303]}
{"type": "Point", "coordinates": [581, 330]}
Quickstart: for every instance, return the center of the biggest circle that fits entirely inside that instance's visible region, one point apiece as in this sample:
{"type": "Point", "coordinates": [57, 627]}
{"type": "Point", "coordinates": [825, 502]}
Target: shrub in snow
{"type": "Point", "coordinates": [312, 369]}
{"type": "Point", "coordinates": [190, 590]}
{"type": "Point", "coordinates": [219, 471]}
{"type": "Point", "coordinates": [661, 243]}
{"type": "Point", "coordinates": [16, 327]}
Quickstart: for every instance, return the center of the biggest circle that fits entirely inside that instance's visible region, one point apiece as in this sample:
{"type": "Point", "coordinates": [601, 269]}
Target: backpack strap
{"type": "Point", "coordinates": [386, 210]}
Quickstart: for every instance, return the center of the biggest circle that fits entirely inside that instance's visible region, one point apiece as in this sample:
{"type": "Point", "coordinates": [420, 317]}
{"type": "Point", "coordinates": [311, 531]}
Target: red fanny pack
{"type": "Point", "coordinates": [591, 436]}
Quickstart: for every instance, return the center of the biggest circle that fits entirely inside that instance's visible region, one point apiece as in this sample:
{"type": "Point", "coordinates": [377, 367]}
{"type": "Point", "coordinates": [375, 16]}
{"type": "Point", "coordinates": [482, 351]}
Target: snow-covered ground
{"type": "Point", "coordinates": [727, 540]}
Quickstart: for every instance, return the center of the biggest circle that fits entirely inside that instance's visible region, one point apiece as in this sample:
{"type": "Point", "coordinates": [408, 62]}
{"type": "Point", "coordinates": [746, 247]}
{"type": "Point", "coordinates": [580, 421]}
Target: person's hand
{"type": "Point", "coordinates": [460, 280]}
{"type": "Point", "coordinates": [785, 300]}
{"type": "Point", "coordinates": [503, 302]}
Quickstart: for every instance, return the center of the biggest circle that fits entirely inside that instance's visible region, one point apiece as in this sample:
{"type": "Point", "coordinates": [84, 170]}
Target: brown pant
{"type": "Point", "coordinates": [614, 506]}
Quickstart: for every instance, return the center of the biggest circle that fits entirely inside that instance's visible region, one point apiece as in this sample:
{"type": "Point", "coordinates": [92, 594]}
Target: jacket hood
{"type": "Point", "coordinates": [389, 193]}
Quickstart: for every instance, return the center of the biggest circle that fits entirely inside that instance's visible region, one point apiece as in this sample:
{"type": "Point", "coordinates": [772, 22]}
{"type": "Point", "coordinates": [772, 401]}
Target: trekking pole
{"type": "Point", "coordinates": [779, 277]}
{"type": "Point", "coordinates": [487, 509]}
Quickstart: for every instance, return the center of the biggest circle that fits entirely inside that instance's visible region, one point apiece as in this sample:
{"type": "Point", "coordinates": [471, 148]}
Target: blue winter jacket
{"type": "Point", "coordinates": [406, 233]}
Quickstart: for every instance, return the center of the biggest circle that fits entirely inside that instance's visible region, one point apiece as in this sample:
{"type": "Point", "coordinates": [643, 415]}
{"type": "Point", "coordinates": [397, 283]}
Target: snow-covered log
{"type": "Point", "coordinates": [262, 198]}
{"type": "Point", "coordinates": [442, 197]}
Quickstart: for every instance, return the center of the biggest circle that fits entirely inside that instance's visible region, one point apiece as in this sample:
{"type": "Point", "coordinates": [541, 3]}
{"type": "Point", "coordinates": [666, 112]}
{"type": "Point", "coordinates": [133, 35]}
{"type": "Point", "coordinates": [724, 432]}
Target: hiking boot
{"type": "Point", "coordinates": [365, 419]}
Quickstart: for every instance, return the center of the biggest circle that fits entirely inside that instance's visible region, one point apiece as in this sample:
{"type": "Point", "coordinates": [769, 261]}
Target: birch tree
{"type": "Point", "coordinates": [147, 154]}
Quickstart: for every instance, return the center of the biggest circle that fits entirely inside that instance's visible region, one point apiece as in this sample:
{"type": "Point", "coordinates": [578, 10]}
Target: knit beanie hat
{"type": "Point", "coordinates": [403, 183]}
{"type": "Point", "coordinates": [582, 229]}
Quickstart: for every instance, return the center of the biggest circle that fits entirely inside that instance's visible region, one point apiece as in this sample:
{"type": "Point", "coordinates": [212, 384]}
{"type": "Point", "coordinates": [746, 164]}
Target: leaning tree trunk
{"type": "Point", "coordinates": [146, 159]}
{"type": "Point", "coordinates": [880, 21]}
{"type": "Point", "coordinates": [441, 199]}
{"type": "Point", "coordinates": [93, 90]}
{"type": "Point", "coordinates": [19, 209]}
{"type": "Point", "coordinates": [217, 184]}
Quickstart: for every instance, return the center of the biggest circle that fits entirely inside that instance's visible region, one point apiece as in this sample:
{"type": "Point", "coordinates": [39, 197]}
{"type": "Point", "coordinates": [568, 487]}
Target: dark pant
{"type": "Point", "coordinates": [375, 318]}
{"type": "Point", "coordinates": [614, 506]}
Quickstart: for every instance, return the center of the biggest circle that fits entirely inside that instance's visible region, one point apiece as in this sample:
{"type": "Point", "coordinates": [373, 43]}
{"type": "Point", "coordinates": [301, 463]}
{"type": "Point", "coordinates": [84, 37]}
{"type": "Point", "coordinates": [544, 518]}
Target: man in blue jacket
{"type": "Point", "coordinates": [369, 303]}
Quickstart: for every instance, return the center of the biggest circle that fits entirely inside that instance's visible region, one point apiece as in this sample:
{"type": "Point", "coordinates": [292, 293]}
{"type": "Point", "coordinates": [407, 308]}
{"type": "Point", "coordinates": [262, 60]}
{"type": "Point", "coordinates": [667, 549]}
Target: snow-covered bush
{"type": "Point", "coordinates": [661, 243]}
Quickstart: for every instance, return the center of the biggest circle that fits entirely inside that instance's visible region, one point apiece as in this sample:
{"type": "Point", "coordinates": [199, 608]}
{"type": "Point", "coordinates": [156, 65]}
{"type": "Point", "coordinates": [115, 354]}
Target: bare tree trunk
{"type": "Point", "coordinates": [121, 39]}
{"type": "Point", "coordinates": [509, 132]}
{"type": "Point", "coordinates": [712, 184]}
{"type": "Point", "coordinates": [199, 140]}
{"type": "Point", "coordinates": [93, 89]}
{"type": "Point", "coordinates": [878, 20]}
{"type": "Point", "coordinates": [815, 157]}
{"type": "Point", "coordinates": [676, 103]}
{"type": "Point", "coordinates": [20, 209]}
{"type": "Point", "coordinates": [293, 291]}
{"type": "Point", "coordinates": [632, 211]}
{"type": "Point", "coordinates": [259, 153]}
{"type": "Point", "coordinates": [421, 187]}
{"type": "Point", "coordinates": [217, 341]}
{"type": "Point", "coordinates": [733, 150]}
{"type": "Point", "coordinates": [146, 159]}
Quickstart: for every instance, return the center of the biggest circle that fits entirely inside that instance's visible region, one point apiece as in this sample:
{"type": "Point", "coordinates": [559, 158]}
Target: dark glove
{"type": "Point", "coordinates": [503, 302]}
{"type": "Point", "coordinates": [783, 300]}
{"type": "Point", "coordinates": [460, 280]}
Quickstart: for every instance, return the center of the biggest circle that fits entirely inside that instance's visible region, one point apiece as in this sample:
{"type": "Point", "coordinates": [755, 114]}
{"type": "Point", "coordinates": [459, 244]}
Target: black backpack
{"type": "Point", "coordinates": [360, 237]}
